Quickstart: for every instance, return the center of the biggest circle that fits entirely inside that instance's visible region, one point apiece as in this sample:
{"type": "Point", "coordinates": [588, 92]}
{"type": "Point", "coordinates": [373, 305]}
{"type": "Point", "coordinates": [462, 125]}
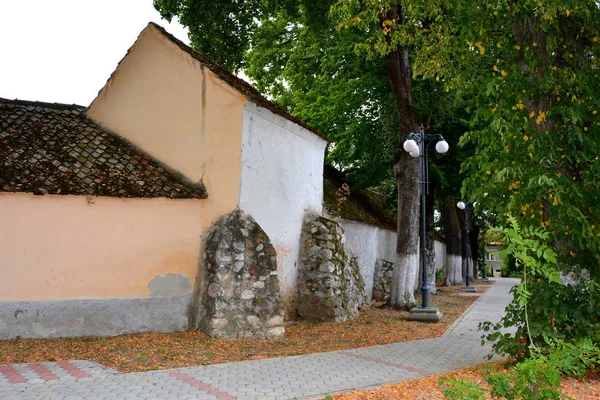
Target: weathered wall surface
{"type": "Point", "coordinates": [281, 180]}
{"type": "Point", "coordinates": [362, 242]}
{"type": "Point", "coordinates": [170, 105]}
{"type": "Point", "coordinates": [76, 265]}
{"type": "Point", "coordinates": [440, 254]}
{"type": "Point", "coordinates": [371, 246]}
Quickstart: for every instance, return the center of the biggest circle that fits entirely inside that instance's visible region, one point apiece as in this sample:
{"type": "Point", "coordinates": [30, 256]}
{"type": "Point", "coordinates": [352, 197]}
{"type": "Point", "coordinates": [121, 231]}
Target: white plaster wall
{"type": "Point", "coordinates": [387, 245]}
{"type": "Point", "coordinates": [369, 243]}
{"type": "Point", "coordinates": [362, 242]}
{"type": "Point", "coordinates": [281, 180]}
{"type": "Point", "coordinates": [440, 254]}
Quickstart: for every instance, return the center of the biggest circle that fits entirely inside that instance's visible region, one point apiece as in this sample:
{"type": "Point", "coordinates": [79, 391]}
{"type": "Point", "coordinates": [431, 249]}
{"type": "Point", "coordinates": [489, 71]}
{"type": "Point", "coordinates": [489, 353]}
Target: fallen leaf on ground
{"type": "Point", "coordinates": [147, 351]}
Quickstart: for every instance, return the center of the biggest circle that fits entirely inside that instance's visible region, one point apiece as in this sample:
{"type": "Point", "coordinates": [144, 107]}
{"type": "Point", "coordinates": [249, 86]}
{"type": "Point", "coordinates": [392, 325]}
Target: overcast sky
{"type": "Point", "coordinates": [64, 50]}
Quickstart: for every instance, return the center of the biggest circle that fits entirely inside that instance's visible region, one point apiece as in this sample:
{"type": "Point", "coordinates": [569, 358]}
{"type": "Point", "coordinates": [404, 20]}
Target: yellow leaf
{"type": "Point", "coordinates": [480, 47]}
{"type": "Point", "coordinates": [555, 202]}
{"type": "Point", "coordinates": [541, 117]}
{"type": "Point", "coordinates": [504, 73]}
{"type": "Point", "coordinates": [488, 172]}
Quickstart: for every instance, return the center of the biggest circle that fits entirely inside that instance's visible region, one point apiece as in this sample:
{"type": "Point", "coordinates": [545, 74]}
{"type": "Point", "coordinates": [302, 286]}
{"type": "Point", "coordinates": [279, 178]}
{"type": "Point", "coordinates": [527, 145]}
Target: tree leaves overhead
{"type": "Point", "coordinates": [536, 103]}
{"type": "Point", "coordinates": [221, 30]}
{"type": "Point", "coordinates": [311, 69]}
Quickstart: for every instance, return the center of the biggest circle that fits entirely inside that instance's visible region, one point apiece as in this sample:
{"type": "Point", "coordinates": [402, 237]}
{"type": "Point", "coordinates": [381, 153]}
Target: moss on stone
{"type": "Point", "coordinates": [363, 205]}
{"type": "Point", "coordinates": [337, 293]}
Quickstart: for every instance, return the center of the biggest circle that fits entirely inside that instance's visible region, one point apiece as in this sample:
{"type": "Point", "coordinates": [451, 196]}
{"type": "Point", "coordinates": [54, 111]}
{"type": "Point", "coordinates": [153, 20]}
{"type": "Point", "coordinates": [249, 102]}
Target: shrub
{"type": "Point", "coordinates": [557, 325]}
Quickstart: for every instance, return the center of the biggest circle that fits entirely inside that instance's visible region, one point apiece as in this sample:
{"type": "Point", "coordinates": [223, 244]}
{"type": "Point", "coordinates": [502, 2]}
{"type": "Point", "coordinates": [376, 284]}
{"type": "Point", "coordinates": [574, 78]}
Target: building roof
{"type": "Point", "coordinates": [239, 84]}
{"type": "Point", "coordinates": [56, 149]}
{"type": "Point", "coordinates": [363, 205]}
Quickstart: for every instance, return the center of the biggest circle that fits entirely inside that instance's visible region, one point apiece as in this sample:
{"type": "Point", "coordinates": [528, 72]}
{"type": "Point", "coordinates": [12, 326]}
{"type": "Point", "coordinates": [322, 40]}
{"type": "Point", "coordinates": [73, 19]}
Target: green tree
{"type": "Point", "coordinates": [537, 151]}
{"type": "Point", "coordinates": [534, 112]}
{"type": "Point", "coordinates": [219, 29]}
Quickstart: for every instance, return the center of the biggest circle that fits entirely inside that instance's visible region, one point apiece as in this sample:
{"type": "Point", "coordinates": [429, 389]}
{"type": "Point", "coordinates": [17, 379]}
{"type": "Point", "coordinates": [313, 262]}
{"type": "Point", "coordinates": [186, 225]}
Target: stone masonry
{"type": "Point", "coordinates": [330, 284]}
{"type": "Point", "coordinates": [382, 282]}
{"type": "Point", "coordinates": [237, 293]}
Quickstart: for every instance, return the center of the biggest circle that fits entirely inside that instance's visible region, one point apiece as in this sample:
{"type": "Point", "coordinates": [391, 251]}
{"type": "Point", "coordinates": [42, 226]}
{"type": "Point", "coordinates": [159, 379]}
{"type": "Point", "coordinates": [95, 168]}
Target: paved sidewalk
{"type": "Point", "coordinates": [299, 377]}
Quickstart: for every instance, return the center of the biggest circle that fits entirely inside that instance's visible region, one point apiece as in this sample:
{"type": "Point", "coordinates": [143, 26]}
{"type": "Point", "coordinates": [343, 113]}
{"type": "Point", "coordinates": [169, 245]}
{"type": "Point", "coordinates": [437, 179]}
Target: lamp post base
{"type": "Point", "coordinates": [469, 288]}
{"type": "Point", "coordinates": [425, 314]}
{"type": "Point", "coordinates": [484, 280]}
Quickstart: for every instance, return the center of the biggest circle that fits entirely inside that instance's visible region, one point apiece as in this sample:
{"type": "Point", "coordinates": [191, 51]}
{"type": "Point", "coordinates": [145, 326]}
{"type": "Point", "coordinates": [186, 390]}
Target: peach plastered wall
{"type": "Point", "coordinates": [77, 247]}
{"type": "Point", "coordinates": [173, 107]}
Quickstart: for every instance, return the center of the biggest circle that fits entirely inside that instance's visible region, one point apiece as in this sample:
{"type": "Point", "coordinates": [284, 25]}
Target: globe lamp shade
{"type": "Point", "coordinates": [442, 146]}
{"type": "Point", "coordinates": [411, 146]}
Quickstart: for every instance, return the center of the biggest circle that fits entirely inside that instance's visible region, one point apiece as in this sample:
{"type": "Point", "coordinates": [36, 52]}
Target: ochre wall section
{"type": "Point", "coordinates": [76, 247]}
{"type": "Point", "coordinates": [170, 105]}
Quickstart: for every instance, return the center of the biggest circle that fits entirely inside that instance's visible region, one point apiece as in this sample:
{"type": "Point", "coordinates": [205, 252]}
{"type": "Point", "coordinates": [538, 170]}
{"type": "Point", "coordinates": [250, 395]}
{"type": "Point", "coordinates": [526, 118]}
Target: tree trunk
{"type": "Point", "coordinates": [404, 276]}
{"type": "Point", "coordinates": [452, 229]}
{"type": "Point", "coordinates": [406, 172]}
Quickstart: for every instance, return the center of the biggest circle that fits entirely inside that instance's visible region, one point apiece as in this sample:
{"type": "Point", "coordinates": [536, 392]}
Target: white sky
{"type": "Point", "coordinates": [64, 50]}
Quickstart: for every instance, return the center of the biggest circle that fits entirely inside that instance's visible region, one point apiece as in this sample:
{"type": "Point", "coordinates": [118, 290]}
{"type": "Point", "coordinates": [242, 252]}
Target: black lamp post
{"type": "Point", "coordinates": [417, 145]}
{"type": "Point", "coordinates": [466, 247]}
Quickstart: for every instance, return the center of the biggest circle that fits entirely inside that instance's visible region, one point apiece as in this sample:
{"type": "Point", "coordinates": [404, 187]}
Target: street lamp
{"type": "Point", "coordinates": [466, 247]}
{"type": "Point", "coordinates": [417, 145]}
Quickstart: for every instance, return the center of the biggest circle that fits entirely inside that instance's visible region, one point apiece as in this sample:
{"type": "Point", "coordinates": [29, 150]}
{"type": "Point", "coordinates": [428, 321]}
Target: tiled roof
{"type": "Point", "coordinates": [242, 86]}
{"type": "Point", "coordinates": [363, 205]}
{"type": "Point", "coordinates": [56, 149]}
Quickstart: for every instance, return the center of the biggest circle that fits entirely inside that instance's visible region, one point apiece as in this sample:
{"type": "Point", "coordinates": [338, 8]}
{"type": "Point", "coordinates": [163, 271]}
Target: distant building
{"type": "Point", "coordinates": [493, 259]}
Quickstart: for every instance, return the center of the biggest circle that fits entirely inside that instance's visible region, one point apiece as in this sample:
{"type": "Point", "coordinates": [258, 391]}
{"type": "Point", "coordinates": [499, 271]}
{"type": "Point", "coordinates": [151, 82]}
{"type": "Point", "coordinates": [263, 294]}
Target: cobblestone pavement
{"type": "Point", "coordinates": [298, 377]}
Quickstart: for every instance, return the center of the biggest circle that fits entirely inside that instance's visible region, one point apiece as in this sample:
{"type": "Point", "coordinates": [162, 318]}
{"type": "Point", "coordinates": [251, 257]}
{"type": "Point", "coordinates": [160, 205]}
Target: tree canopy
{"type": "Point", "coordinates": [535, 103]}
